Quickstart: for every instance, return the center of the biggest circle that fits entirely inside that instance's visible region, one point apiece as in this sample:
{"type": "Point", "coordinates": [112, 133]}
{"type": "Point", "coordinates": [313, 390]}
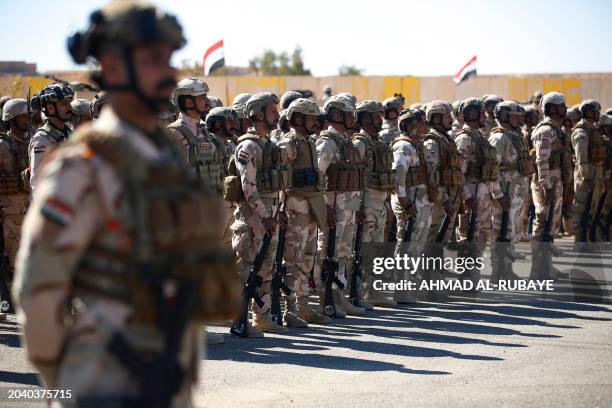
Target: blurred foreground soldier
{"type": "Point", "coordinates": [198, 148]}
{"type": "Point", "coordinates": [490, 102]}
{"type": "Point", "coordinates": [305, 209]}
{"type": "Point", "coordinates": [257, 164]}
{"type": "Point", "coordinates": [55, 102]}
{"type": "Point", "coordinates": [481, 171]}
{"type": "Point", "coordinates": [590, 150]}
{"type": "Point", "coordinates": [119, 262]}
{"type": "Point", "coordinates": [97, 103]}
{"type": "Point", "coordinates": [327, 92]}
{"type": "Point", "coordinates": [377, 157]}
{"type": "Point", "coordinates": [81, 112]}
{"type": "Point", "coordinates": [515, 167]}
{"type": "Point", "coordinates": [547, 183]}
{"type": "Point", "coordinates": [393, 106]}
{"type": "Point", "coordinates": [339, 160]}
{"type": "Point", "coordinates": [14, 188]}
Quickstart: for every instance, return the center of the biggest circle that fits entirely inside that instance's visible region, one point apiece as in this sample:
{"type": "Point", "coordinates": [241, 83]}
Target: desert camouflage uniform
{"type": "Point", "coordinates": [43, 141]}
{"type": "Point", "coordinates": [586, 138]}
{"type": "Point", "coordinates": [248, 229]}
{"type": "Point", "coordinates": [14, 190]}
{"type": "Point", "coordinates": [435, 144]}
{"type": "Point", "coordinates": [547, 140]}
{"type": "Point", "coordinates": [346, 204]}
{"type": "Point", "coordinates": [81, 218]}
{"type": "Point", "coordinates": [389, 131]}
{"type": "Point", "coordinates": [486, 190]}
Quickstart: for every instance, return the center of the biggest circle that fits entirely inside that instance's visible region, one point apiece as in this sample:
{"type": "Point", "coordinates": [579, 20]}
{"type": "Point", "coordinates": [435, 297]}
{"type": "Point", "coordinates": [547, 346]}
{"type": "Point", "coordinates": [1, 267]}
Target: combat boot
{"type": "Point", "coordinates": [252, 332]}
{"type": "Point", "coordinates": [364, 304]}
{"type": "Point", "coordinates": [376, 298]}
{"type": "Point", "coordinates": [264, 323]}
{"type": "Point", "coordinates": [308, 314]}
{"type": "Point", "coordinates": [291, 318]}
{"type": "Point", "coordinates": [340, 313]}
{"type": "Point", "coordinates": [340, 299]}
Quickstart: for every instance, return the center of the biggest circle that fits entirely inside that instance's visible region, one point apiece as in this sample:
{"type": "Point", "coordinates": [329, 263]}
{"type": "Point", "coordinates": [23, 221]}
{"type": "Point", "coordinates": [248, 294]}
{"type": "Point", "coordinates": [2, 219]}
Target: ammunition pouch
{"type": "Point", "coordinates": [483, 172]}
{"type": "Point", "coordinates": [556, 158]}
{"type": "Point", "coordinates": [345, 176]}
{"type": "Point", "coordinates": [305, 178]}
{"type": "Point", "coordinates": [451, 175]}
{"type": "Point", "coordinates": [384, 181]}
{"type": "Point", "coordinates": [10, 184]}
{"type": "Point", "coordinates": [597, 151]}
{"type": "Point", "coordinates": [415, 176]}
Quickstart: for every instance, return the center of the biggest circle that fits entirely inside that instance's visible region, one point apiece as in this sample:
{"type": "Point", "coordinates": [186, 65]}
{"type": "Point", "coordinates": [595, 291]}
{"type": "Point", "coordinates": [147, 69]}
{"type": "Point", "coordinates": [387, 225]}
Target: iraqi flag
{"type": "Point", "coordinates": [467, 71]}
{"type": "Point", "coordinates": [214, 58]}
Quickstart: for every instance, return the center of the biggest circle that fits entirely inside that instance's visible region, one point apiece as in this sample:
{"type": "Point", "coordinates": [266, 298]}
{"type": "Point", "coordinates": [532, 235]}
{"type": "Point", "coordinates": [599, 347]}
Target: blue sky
{"type": "Point", "coordinates": [383, 37]}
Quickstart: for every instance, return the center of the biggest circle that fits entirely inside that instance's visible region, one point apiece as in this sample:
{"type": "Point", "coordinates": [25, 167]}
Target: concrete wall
{"type": "Point", "coordinates": [416, 89]}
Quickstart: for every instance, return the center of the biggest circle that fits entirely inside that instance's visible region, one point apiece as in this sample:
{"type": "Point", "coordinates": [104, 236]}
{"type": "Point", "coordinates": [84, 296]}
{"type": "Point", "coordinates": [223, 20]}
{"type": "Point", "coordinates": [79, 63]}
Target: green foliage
{"type": "Point", "coordinates": [271, 63]}
{"type": "Point", "coordinates": [349, 70]}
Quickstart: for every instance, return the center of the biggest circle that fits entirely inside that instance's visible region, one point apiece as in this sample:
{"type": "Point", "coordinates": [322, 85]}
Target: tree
{"type": "Point", "coordinates": [271, 63]}
{"type": "Point", "coordinates": [349, 70]}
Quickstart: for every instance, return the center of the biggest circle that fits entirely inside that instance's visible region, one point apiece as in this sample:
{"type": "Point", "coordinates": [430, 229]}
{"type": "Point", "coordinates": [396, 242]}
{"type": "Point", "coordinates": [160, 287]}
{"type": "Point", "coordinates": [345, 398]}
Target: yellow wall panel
{"type": "Point", "coordinates": [568, 87]}
{"type": "Point", "coordinates": [517, 89]}
{"type": "Point", "coordinates": [411, 89]}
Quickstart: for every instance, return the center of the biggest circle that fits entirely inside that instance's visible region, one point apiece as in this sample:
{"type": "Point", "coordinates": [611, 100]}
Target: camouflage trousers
{"type": "Point", "coordinates": [527, 202]}
{"type": "Point", "coordinates": [247, 235]}
{"type": "Point", "coordinates": [374, 226]}
{"type": "Point", "coordinates": [345, 233]}
{"type": "Point", "coordinates": [542, 207]}
{"type": "Point", "coordinates": [12, 212]}
{"type": "Point", "coordinates": [581, 191]}
{"type": "Point", "coordinates": [437, 217]}
{"type": "Point", "coordinates": [482, 228]}
{"type": "Point", "coordinates": [420, 228]}
{"type": "Point", "coordinates": [300, 243]}
{"type": "Point", "coordinates": [516, 197]}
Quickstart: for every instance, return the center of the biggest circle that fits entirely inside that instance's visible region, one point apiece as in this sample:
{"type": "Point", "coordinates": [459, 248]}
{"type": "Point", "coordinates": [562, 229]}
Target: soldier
{"type": "Point", "coordinates": [322, 124]}
{"type": "Point", "coordinates": [305, 210]}
{"type": "Point", "coordinates": [515, 168]}
{"type": "Point", "coordinates": [590, 151]}
{"type": "Point", "coordinates": [336, 158]}
{"type": "Point", "coordinates": [282, 128]}
{"type": "Point", "coordinates": [605, 125]}
{"type": "Point", "coordinates": [97, 103]}
{"type": "Point", "coordinates": [547, 183]}
{"type": "Point", "coordinates": [214, 102]}
{"type": "Point", "coordinates": [457, 118]}
{"type": "Point", "coordinates": [532, 117]}
{"type": "Point", "coordinates": [241, 99]}
{"type": "Point", "coordinates": [3, 101]}
{"type": "Point", "coordinates": [327, 92]}
{"type": "Point", "coordinates": [490, 102]}
{"type": "Point", "coordinates": [481, 169]}
{"type": "Point", "coordinates": [243, 122]}
{"type": "Point", "coordinates": [118, 264]}
{"type": "Point", "coordinates": [255, 160]}
{"type": "Point", "coordinates": [222, 126]}
{"type": "Point", "coordinates": [14, 189]}
{"type": "Point", "coordinates": [572, 117]}
{"type": "Point", "coordinates": [377, 157]}
{"type": "Point", "coordinates": [393, 106]}
{"type": "Point", "coordinates": [55, 102]}
{"type": "Point", "coordinates": [287, 98]}
{"type": "Point", "coordinates": [190, 97]}
{"type": "Point", "coordinates": [446, 165]}
{"type": "Point", "coordinates": [81, 112]}
{"type": "Point", "coordinates": [414, 191]}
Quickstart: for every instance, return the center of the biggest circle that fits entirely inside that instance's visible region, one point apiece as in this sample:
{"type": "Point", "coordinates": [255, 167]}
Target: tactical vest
{"type": "Point", "coordinates": [451, 175]}
{"type": "Point", "coordinates": [272, 175]}
{"type": "Point", "coordinates": [378, 161]}
{"type": "Point", "coordinates": [348, 173]}
{"type": "Point", "coordinates": [173, 224]}
{"type": "Point", "coordinates": [485, 168]}
{"type": "Point", "coordinates": [525, 163]}
{"type": "Point", "coordinates": [304, 169]}
{"type": "Point", "coordinates": [12, 182]}
{"type": "Point", "coordinates": [609, 154]}
{"type": "Point", "coordinates": [597, 144]}
{"type": "Point", "coordinates": [560, 155]}
{"type": "Point", "coordinates": [415, 175]}
{"type": "Point", "coordinates": [201, 156]}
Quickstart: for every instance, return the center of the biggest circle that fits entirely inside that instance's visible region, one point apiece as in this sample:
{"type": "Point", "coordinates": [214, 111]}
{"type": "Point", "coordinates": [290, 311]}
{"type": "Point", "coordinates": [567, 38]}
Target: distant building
{"type": "Point", "coordinates": [17, 68]}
